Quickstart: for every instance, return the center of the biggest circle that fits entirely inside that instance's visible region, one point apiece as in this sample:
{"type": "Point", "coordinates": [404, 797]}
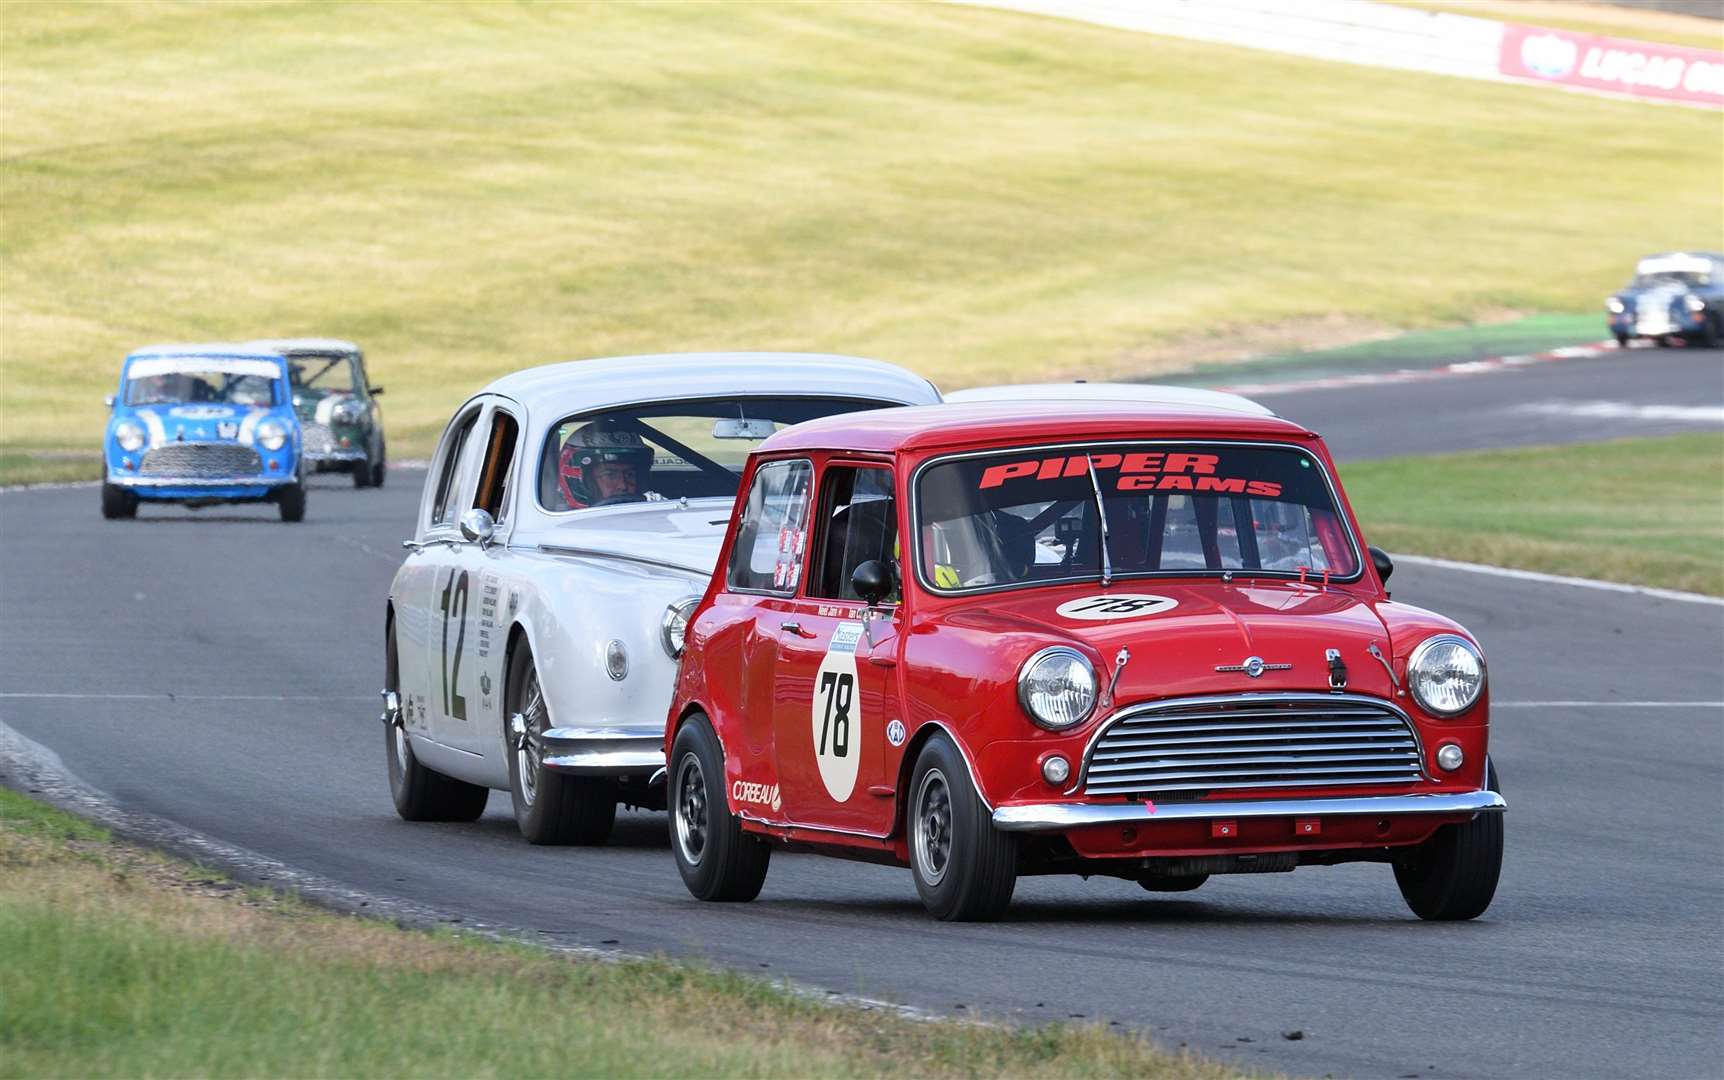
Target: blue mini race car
{"type": "Point", "coordinates": [203, 424]}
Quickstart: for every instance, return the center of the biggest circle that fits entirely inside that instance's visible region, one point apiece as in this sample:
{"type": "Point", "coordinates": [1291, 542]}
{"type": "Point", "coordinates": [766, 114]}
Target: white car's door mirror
{"type": "Point", "coordinates": [477, 526]}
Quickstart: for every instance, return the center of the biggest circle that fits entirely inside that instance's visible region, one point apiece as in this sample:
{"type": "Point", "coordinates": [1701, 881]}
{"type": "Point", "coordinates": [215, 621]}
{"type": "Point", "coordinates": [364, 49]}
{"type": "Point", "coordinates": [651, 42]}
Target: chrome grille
{"type": "Point", "coordinates": [200, 461]}
{"type": "Point", "coordinates": [1192, 746]}
{"type": "Point", "coordinates": [317, 440]}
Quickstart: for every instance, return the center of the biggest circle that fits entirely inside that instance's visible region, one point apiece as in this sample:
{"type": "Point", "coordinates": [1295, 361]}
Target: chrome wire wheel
{"type": "Point", "coordinates": [528, 724]}
{"type": "Point", "coordinates": [691, 822]}
{"type": "Point", "coordinates": [932, 826]}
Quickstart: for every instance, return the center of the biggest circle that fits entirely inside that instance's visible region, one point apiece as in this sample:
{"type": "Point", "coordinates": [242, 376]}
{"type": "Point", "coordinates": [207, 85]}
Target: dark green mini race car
{"type": "Point", "coordinates": [337, 407]}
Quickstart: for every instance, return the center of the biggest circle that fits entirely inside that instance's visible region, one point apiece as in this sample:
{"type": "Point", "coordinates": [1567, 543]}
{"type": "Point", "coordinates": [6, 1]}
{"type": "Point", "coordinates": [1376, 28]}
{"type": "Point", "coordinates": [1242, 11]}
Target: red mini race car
{"type": "Point", "coordinates": [1136, 640]}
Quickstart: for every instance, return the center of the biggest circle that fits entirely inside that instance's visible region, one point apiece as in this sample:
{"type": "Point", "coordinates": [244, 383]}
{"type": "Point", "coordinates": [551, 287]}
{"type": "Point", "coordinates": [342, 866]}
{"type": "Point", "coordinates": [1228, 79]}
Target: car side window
{"type": "Point", "coordinates": [773, 532]}
{"type": "Point", "coordinates": [498, 464]}
{"type": "Point", "coordinates": [857, 522]}
{"type": "Point", "coordinates": [445, 508]}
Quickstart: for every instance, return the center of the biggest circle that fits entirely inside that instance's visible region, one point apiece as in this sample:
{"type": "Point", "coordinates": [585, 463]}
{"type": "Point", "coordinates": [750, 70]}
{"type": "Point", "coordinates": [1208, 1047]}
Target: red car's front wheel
{"type": "Point", "coordinates": [1453, 875]}
{"type": "Point", "coordinates": [965, 869]}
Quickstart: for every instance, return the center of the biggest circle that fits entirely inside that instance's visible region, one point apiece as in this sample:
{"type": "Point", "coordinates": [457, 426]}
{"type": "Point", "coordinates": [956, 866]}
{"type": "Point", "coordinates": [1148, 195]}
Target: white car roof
{"type": "Point", "coordinates": [214, 349]}
{"type": "Point", "coordinates": [1681, 262]}
{"type": "Point", "coordinates": [582, 385]}
{"type": "Point", "coordinates": [1132, 393]}
{"type": "Point", "coordinates": [306, 345]}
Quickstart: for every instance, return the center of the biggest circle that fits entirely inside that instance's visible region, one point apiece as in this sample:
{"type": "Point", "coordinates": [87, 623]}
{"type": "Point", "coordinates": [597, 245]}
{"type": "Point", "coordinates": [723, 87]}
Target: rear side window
{"type": "Point", "coordinates": [773, 533]}
{"type": "Point", "coordinates": [446, 505]}
{"type": "Point", "coordinates": [857, 522]}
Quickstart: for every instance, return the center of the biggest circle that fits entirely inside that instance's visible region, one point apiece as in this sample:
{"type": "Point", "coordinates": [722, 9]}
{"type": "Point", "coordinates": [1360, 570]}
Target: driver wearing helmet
{"type": "Point", "coordinates": [600, 465]}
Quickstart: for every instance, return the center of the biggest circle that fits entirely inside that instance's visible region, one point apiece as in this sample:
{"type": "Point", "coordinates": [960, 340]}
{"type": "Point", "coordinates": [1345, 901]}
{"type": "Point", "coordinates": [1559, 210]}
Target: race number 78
{"type": "Point", "coordinates": [838, 688]}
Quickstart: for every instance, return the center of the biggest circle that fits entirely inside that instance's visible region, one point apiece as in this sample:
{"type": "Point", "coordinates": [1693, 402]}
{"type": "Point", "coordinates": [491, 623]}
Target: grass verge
{"type": "Point", "coordinates": [47, 468]}
{"type": "Point", "coordinates": [1645, 511]}
{"type": "Point", "coordinates": [122, 962]}
{"type": "Point", "coordinates": [467, 189]}
{"type": "Point", "coordinates": [1421, 348]}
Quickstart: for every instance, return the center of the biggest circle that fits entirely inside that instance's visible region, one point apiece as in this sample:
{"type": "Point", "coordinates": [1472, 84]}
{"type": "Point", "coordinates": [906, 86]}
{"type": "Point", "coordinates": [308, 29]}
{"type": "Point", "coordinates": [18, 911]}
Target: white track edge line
{"type": "Point", "coordinates": [1559, 579]}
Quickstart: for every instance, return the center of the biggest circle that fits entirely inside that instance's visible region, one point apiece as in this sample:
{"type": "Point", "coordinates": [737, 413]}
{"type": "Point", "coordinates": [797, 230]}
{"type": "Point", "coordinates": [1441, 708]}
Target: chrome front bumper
{"type": "Point", "coordinates": [1057, 817]}
{"type": "Point", "coordinates": [266, 480]}
{"type": "Point", "coordinates": [603, 751]}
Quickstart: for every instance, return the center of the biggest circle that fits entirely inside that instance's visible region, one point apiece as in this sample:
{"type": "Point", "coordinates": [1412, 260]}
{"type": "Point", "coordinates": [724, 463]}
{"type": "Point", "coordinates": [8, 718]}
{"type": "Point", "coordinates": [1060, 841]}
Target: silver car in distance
{"type": "Point", "coordinates": [571, 518]}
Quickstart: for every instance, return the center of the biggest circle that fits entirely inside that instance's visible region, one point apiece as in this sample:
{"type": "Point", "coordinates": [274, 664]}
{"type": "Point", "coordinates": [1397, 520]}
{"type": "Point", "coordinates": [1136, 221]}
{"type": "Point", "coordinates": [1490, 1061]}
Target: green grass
{"type": "Point", "coordinates": [1647, 511]}
{"type": "Point", "coordinates": [47, 468]}
{"type": "Point", "coordinates": [122, 963]}
{"type": "Point", "coordinates": [469, 189]}
{"type": "Point", "coordinates": [1532, 334]}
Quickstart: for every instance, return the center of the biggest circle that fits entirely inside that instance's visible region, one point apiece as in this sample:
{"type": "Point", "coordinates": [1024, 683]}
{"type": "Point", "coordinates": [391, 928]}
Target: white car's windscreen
{"type": "Point", "coordinates": [671, 450]}
{"type": "Point", "coordinates": [1028, 516]}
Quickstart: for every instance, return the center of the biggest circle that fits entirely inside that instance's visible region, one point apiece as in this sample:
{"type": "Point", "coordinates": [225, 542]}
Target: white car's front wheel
{"type": "Point", "coordinates": [550, 807]}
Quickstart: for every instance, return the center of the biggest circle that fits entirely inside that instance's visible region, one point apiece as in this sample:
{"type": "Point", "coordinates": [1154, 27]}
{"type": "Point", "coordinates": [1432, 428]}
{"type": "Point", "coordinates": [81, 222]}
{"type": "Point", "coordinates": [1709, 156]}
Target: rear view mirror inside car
{"type": "Point", "coordinates": [753, 430]}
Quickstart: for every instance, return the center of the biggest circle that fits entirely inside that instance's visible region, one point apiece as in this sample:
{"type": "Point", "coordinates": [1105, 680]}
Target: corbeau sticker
{"type": "Point", "coordinates": [836, 713]}
{"type": "Point", "coordinates": [747, 791]}
{"type": "Point", "coordinates": [1135, 472]}
{"type": "Point", "coordinates": [1110, 606]}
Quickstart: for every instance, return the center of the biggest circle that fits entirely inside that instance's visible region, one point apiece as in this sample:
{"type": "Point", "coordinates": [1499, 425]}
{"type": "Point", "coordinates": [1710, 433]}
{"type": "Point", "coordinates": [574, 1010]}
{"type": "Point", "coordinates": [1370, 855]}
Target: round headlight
{"type": "Point", "coordinates": [130, 435]}
{"type": "Point", "coordinates": [674, 626]}
{"type": "Point", "coordinates": [1614, 306]}
{"type": "Point", "coordinates": [272, 434]}
{"type": "Point", "coordinates": [1057, 687]}
{"type": "Point", "coordinates": [1447, 674]}
{"type": "Point", "coordinates": [348, 411]}
{"type": "Point", "coordinates": [1695, 303]}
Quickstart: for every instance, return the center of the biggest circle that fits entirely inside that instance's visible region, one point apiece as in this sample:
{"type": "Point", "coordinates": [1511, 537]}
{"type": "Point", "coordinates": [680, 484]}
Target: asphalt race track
{"type": "Point", "coordinates": [219, 669]}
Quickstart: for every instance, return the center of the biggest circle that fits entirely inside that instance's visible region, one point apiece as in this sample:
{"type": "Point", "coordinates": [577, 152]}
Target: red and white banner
{"type": "Point", "coordinates": [1613, 65]}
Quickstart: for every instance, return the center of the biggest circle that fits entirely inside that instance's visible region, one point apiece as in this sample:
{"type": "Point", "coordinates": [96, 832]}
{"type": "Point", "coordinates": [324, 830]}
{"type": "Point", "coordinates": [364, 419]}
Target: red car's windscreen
{"type": "Point", "coordinates": [1026, 516]}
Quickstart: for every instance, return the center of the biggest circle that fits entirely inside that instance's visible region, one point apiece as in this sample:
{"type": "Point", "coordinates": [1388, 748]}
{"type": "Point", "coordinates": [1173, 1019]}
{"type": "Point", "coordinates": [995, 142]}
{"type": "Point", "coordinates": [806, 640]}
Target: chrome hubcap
{"type": "Point", "coordinates": [690, 810]}
{"type": "Point", "coordinates": [525, 727]}
{"type": "Point", "coordinates": [933, 826]}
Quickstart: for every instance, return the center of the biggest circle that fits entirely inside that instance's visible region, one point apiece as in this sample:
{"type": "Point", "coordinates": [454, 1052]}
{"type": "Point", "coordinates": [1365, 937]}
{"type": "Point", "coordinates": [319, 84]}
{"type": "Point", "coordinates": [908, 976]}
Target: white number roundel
{"type": "Point", "coordinates": [837, 714]}
{"type": "Point", "coordinates": [1109, 606]}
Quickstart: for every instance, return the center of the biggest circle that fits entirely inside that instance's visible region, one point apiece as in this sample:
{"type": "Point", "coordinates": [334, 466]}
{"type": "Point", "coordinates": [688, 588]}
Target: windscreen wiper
{"type": "Point", "coordinates": [1101, 514]}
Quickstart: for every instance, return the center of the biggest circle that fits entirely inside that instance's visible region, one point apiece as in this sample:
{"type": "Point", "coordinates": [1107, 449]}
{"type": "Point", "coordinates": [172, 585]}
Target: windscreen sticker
{"type": "Point", "coordinates": [837, 713]}
{"type": "Point", "coordinates": [1156, 471]}
{"type": "Point", "coordinates": [1112, 606]}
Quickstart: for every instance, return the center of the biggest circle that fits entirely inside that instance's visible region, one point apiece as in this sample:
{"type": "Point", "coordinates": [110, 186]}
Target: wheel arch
{"type": "Point", "coordinates": [907, 768]}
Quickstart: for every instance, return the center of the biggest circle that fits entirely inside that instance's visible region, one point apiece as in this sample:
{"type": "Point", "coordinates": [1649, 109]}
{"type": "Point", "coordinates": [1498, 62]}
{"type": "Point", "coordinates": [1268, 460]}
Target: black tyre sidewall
{"type": "Point", "coordinates": [290, 500]}
{"type": "Point", "coordinates": [981, 869]}
{"type": "Point", "coordinates": [733, 863]}
{"type": "Point", "coordinates": [565, 809]}
{"type": "Point", "coordinates": [118, 503]}
{"type": "Point", "coordinates": [1453, 875]}
{"type": "Point", "coordinates": [419, 793]}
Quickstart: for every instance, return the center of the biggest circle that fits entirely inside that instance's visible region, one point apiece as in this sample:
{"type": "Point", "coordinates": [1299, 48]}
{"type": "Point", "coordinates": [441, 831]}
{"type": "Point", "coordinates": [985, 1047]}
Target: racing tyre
{"type": "Point", "coordinates": [362, 473]}
{"type": "Point", "coordinates": [1709, 336]}
{"type": "Point", "coordinates": [1173, 884]}
{"type": "Point", "coordinates": [118, 502]}
{"type": "Point", "coordinates": [1453, 875]}
{"type": "Point", "coordinates": [716, 858]}
{"type": "Point", "coordinates": [1622, 341]}
{"type": "Point", "coordinates": [290, 501]}
{"type": "Point", "coordinates": [965, 869]}
{"type": "Point", "coordinates": [378, 470]}
{"type": "Point", "coordinates": [550, 807]}
{"type": "Point", "coordinates": [419, 793]}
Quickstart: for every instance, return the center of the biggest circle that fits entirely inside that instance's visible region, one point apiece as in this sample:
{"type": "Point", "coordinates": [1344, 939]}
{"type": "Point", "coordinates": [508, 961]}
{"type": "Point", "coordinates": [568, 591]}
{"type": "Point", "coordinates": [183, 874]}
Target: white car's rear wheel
{"type": "Point", "coordinates": [420, 794]}
{"type": "Point", "coordinates": [550, 807]}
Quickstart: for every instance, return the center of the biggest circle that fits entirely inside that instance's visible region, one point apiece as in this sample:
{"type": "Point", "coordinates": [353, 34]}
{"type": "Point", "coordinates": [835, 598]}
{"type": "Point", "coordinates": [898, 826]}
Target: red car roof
{"type": "Point", "coordinates": [925, 427]}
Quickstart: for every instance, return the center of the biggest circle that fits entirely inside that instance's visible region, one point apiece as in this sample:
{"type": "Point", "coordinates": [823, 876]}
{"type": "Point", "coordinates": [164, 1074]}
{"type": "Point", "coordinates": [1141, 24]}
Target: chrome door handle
{"type": "Point", "coordinates": [794, 628]}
